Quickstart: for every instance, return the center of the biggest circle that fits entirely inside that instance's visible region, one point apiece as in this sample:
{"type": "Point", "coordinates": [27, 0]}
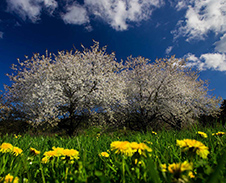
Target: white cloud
{"type": "Point", "coordinates": [215, 61]}
{"type": "Point", "coordinates": [181, 5]}
{"type": "Point", "coordinates": [119, 13]}
{"type": "Point", "coordinates": [201, 18]}
{"type": "Point", "coordinates": [31, 9]}
{"type": "Point", "coordinates": [221, 45]}
{"type": "Point", "coordinates": [1, 35]}
{"type": "Point", "coordinates": [76, 14]}
{"type": "Point", "coordinates": [168, 50]}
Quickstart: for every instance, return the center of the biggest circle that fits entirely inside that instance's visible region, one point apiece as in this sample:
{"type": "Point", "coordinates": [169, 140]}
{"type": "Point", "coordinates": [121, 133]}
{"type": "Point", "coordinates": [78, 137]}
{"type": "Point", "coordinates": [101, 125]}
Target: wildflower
{"type": "Point", "coordinates": [202, 134]}
{"type": "Point", "coordinates": [154, 132]}
{"type": "Point", "coordinates": [177, 168]}
{"type": "Point", "coordinates": [104, 154]}
{"type": "Point", "coordinates": [218, 133]}
{"type": "Point", "coordinates": [71, 153]}
{"type": "Point", "coordinates": [139, 162]}
{"type": "Point", "coordinates": [9, 148]}
{"type": "Point", "coordinates": [60, 152]}
{"type": "Point", "coordinates": [34, 151]}
{"type": "Point", "coordinates": [16, 151]}
{"type": "Point", "coordinates": [191, 175]}
{"type": "Point", "coordinates": [9, 179]}
{"type": "Point", "coordinates": [122, 147]}
{"type": "Point", "coordinates": [17, 136]}
{"type": "Point", "coordinates": [194, 146]}
{"type": "Point", "coordinates": [140, 148]}
{"type": "Point", "coordinates": [6, 147]}
{"type": "Point", "coordinates": [45, 159]}
{"type": "Point", "coordinates": [50, 154]}
{"type": "Point", "coordinates": [163, 167]}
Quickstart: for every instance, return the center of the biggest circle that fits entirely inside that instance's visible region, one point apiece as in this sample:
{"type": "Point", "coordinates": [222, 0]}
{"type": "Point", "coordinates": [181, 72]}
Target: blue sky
{"type": "Point", "coordinates": [192, 29]}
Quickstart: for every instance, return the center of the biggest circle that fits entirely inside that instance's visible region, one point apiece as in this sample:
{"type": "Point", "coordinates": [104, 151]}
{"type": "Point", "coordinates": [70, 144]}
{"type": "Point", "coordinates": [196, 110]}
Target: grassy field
{"type": "Point", "coordinates": [166, 156]}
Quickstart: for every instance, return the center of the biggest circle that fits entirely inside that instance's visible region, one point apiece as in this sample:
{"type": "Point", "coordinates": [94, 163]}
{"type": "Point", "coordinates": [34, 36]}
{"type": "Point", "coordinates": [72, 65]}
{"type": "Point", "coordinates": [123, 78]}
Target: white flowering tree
{"type": "Point", "coordinates": [48, 89]}
{"type": "Point", "coordinates": [167, 91]}
{"type": "Point", "coordinates": [62, 87]}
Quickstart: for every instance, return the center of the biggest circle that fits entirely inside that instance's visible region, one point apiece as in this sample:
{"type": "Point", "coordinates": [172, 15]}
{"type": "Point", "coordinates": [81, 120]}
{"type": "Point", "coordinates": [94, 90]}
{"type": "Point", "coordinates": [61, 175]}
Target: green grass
{"type": "Point", "coordinates": [91, 167]}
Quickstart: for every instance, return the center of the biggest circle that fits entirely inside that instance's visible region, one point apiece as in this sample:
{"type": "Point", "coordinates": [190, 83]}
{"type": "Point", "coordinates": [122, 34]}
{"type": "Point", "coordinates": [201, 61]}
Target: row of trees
{"type": "Point", "coordinates": [63, 88]}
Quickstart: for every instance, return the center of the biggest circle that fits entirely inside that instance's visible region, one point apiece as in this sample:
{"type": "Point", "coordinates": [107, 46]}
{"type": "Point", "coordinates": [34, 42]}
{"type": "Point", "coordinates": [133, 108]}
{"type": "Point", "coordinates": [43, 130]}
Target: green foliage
{"type": "Point", "coordinates": [92, 167]}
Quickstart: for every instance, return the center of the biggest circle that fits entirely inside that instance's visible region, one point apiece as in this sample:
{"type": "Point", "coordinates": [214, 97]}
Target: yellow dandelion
{"type": "Point", "coordinates": [163, 167]}
{"type": "Point", "coordinates": [104, 154]}
{"type": "Point", "coordinates": [58, 151]}
{"type": "Point", "coordinates": [202, 134]}
{"type": "Point", "coordinates": [194, 146]}
{"type": "Point", "coordinates": [154, 132]}
{"type": "Point", "coordinates": [191, 175]}
{"type": "Point", "coordinates": [17, 136]}
{"type": "Point", "coordinates": [17, 151]}
{"type": "Point", "coordinates": [71, 153]}
{"type": "Point", "coordinates": [140, 148]}
{"type": "Point", "coordinates": [122, 147]}
{"type": "Point", "coordinates": [45, 159]}
{"type": "Point", "coordinates": [177, 168]}
{"type": "Point", "coordinates": [219, 134]}
{"type": "Point", "coordinates": [50, 154]}
{"type": "Point", "coordinates": [6, 147]}
{"type": "Point", "coordinates": [34, 151]}
{"type": "Point", "coordinates": [136, 161]}
{"type": "Point", "coordinates": [9, 179]}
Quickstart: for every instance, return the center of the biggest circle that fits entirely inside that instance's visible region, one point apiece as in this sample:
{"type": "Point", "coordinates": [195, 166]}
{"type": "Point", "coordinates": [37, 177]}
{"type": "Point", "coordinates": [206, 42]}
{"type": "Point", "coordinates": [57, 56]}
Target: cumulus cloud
{"type": "Point", "coordinates": [31, 9]}
{"type": "Point", "coordinates": [221, 44]}
{"type": "Point", "coordinates": [1, 35]}
{"type": "Point", "coordinates": [119, 13]}
{"type": "Point", "coordinates": [201, 18]}
{"type": "Point", "coordinates": [75, 14]}
{"type": "Point", "coordinates": [215, 61]}
{"type": "Point", "coordinates": [168, 50]}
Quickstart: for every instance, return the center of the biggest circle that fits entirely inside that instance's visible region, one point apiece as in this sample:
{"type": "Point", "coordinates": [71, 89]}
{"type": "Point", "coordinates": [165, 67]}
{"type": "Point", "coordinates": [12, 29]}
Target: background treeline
{"type": "Point", "coordinates": [70, 91]}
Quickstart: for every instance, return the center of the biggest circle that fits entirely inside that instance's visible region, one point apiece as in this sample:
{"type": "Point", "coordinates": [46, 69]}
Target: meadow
{"type": "Point", "coordinates": [195, 155]}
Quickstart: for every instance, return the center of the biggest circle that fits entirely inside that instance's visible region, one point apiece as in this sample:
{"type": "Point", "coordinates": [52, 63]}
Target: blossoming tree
{"type": "Point", "coordinates": [48, 89]}
{"type": "Point", "coordinates": [167, 91]}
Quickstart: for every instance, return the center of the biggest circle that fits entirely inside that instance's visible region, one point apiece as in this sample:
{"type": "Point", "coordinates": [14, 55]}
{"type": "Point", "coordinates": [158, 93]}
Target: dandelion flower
{"type": "Point", "coordinates": [163, 167]}
{"type": "Point", "coordinates": [104, 154]}
{"type": "Point", "coordinates": [34, 151]}
{"type": "Point", "coordinates": [140, 148]}
{"type": "Point", "coordinates": [194, 146]}
{"type": "Point", "coordinates": [6, 147]}
{"type": "Point", "coordinates": [9, 179]}
{"type": "Point", "coordinates": [17, 136]}
{"type": "Point", "coordinates": [177, 168]}
{"type": "Point", "coordinates": [202, 134]}
{"type": "Point", "coordinates": [122, 147]}
{"type": "Point", "coordinates": [154, 132]}
{"type": "Point", "coordinates": [60, 152]}
{"type": "Point", "coordinates": [17, 151]}
{"type": "Point", "coordinates": [45, 159]}
{"type": "Point", "coordinates": [191, 175]}
{"type": "Point", "coordinates": [219, 134]}
{"type": "Point", "coordinates": [71, 153]}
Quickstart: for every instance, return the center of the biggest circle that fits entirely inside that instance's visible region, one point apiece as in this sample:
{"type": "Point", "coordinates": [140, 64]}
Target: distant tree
{"type": "Point", "coordinates": [167, 91]}
{"type": "Point", "coordinates": [51, 89]}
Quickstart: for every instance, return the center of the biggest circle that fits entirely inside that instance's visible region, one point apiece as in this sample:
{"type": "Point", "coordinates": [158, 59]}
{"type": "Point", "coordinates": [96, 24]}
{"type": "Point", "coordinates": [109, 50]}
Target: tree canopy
{"type": "Point", "coordinates": [49, 88]}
